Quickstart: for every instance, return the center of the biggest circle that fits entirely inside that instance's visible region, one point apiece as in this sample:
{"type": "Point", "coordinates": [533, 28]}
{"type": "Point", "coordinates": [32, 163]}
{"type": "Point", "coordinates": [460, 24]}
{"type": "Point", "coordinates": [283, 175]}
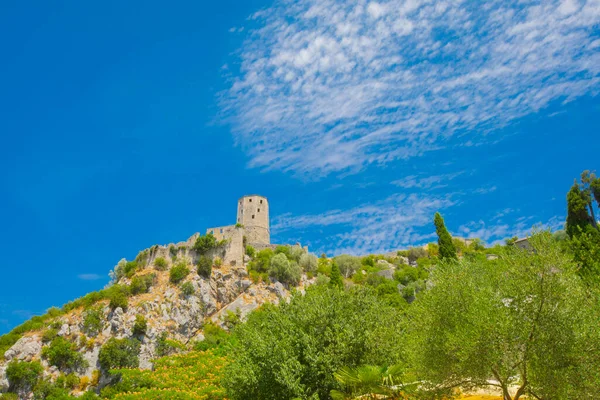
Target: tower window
{"type": "Point", "coordinates": [259, 210]}
{"type": "Point", "coordinates": [261, 202]}
{"type": "Point", "coordinates": [253, 217]}
{"type": "Point", "coordinates": [250, 200]}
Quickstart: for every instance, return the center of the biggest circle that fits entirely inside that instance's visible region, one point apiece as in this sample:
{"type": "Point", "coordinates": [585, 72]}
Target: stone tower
{"type": "Point", "coordinates": [253, 213]}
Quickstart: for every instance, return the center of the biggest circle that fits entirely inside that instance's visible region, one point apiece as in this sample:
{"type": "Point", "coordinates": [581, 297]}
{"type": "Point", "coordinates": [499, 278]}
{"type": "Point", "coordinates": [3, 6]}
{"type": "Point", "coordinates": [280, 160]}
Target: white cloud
{"type": "Point", "coordinates": [496, 231]}
{"type": "Point", "coordinates": [427, 182]}
{"type": "Point", "coordinates": [89, 277]}
{"type": "Point", "coordinates": [330, 85]}
{"type": "Point", "coordinates": [382, 226]}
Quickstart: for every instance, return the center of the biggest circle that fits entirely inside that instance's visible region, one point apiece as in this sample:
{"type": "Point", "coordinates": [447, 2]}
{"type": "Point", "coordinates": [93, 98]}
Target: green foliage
{"type": "Point", "coordinates": [23, 375]}
{"type": "Point", "coordinates": [215, 338]}
{"type": "Point", "coordinates": [119, 353]}
{"type": "Point", "coordinates": [262, 261]}
{"type": "Point", "coordinates": [447, 249]}
{"type": "Point", "coordinates": [142, 284]}
{"type": "Point", "coordinates": [324, 266]}
{"type": "Point", "coordinates": [232, 319]}
{"type": "Point", "coordinates": [63, 354]}
{"type": "Point", "coordinates": [49, 335]}
{"type": "Point", "coordinates": [117, 294]}
{"type": "Point", "coordinates": [285, 250]}
{"type": "Point", "coordinates": [372, 382]}
{"type": "Point", "coordinates": [335, 276]}
{"type": "Point", "coordinates": [187, 288]}
{"type": "Point", "coordinates": [178, 273]}
{"type": "Point", "coordinates": [204, 266]}
{"type": "Point", "coordinates": [578, 219]}
{"type": "Point", "coordinates": [295, 253]}
{"type": "Point", "coordinates": [166, 346]}
{"type": "Point", "coordinates": [93, 321]}
{"type": "Point", "coordinates": [250, 251]}
{"type": "Point", "coordinates": [585, 247]}
{"type": "Point", "coordinates": [130, 268]}
{"type": "Point", "coordinates": [347, 264]}
{"type": "Point", "coordinates": [140, 326]}
{"type": "Point", "coordinates": [9, 396]}
{"type": "Point", "coordinates": [291, 351]}
{"type": "Point", "coordinates": [308, 262]}
{"type": "Point", "coordinates": [414, 253]}
{"type": "Point", "coordinates": [205, 243]}
{"type": "Point", "coordinates": [173, 251]}
{"type": "Point", "coordinates": [283, 270]}
{"type": "Point", "coordinates": [160, 264]}
{"type": "Point", "coordinates": [86, 301]}
{"type": "Point", "coordinates": [502, 321]}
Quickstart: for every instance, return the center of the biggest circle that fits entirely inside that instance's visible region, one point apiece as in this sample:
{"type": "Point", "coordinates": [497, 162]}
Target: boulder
{"type": "Point", "coordinates": [25, 349]}
{"type": "Point", "coordinates": [3, 379]}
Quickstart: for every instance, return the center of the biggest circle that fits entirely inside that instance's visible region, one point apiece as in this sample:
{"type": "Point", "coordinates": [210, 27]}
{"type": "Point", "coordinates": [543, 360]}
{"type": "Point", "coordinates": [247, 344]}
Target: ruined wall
{"type": "Point", "coordinates": [253, 214]}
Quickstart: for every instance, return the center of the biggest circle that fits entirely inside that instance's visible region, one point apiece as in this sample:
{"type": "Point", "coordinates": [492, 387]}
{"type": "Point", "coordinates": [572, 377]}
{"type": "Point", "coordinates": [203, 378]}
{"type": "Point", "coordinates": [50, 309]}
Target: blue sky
{"type": "Point", "coordinates": [130, 124]}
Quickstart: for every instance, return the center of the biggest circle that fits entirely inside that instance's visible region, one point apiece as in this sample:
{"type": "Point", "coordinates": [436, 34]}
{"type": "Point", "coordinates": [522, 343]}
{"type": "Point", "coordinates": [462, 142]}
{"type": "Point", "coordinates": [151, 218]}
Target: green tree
{"type": "Point", "coordinates": [284, 270]}
{"type": "Point", "coordinates": [178, 273]}
{"type": "Point", "coordinates": [578, 219]}
{"type": "Point", "coordinates": [204, 266]}
{"type": "Point", "coordinates": [292, 350]}
{"type": "Point", "coordinates": [588, 182]}
{"type": "Point", "coordinates": [63, 354]}
{"type": "Point", "coordinates": [336, 279]}
{"type": "Point", "coordinates": [371, 382]}
{"type": "Point", "coordinates": [140, 326]}
{"type": "Point", "coordinates": [119, 353]}
{"type": "Point", "coordinates": [205, 243]}
{"type": "Point", "coordinates": [93, 321]}
{"type": "Point", "coordinates": [347, 264]}
{"type": "Point", "coordinates": [22, 375]}
{"type": "Point", "coordinates": [585, 247]}
{"type": "Point", "coordinates": [526, 320]}
{"type": "Point", "coordinates": [446, 246]}
{"type": "Point", "coordinates": [308, 262]}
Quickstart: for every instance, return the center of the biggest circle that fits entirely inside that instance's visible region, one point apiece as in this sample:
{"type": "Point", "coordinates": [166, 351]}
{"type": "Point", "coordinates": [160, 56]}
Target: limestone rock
{"type": "Point", "coordinates": [25, 349]}
{"type": "Point", "coordinates": [3, 380]}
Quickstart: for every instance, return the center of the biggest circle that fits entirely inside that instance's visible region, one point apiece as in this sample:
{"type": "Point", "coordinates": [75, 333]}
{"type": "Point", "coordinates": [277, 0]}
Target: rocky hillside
{"type": "Point", "coordinates": [162, 299]}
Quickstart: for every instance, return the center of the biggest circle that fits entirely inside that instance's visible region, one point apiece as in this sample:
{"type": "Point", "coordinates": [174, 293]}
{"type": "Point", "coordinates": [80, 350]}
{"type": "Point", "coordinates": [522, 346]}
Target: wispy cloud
{"type": "Point", "coordinates": [331, 85]}
{"type": "Point", "coordinates": [425, 182]}
{"type": "Point", "coordinates": [393, 223]}
{"type": "Point", "coordinates": [89, 277]}
{"type": "Point", "coordinates": [495, 232]}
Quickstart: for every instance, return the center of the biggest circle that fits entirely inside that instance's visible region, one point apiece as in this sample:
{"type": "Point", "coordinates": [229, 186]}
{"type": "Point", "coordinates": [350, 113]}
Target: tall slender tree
{"type": "Point", "coordinates": [447, 249]}
{"type": "Point", "coordinates": [336, 276]}
{"type": "Point", "coordinates": [578, 219]}
{"type": "Point", "coordinates": [587, 191]}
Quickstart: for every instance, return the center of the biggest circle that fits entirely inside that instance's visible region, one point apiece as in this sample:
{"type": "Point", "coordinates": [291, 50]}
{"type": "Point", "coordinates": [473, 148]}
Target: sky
{"type": "Point", "coordinates": [129, 124]}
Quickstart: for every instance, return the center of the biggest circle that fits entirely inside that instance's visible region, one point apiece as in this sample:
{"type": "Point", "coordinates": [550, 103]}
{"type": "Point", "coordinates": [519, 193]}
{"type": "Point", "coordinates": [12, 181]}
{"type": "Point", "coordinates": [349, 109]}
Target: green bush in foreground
{"type": "Point", "coordinates": [292, 350]}
{"type": "Point", "coordinates": [140, 326]}
{"type": "Point", "coordinates": [93, 321]}
{"type": "Point", "coordinates": [160, 264]}
{"type": "Point", "coordinates": [187, 288]}
{"type": "Point", "coordinates": [204, 266]}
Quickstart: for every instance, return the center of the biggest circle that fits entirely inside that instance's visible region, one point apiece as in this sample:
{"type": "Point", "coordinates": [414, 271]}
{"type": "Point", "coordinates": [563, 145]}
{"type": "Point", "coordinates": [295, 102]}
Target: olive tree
{"type": "Point", "coordinates": [525, 321]}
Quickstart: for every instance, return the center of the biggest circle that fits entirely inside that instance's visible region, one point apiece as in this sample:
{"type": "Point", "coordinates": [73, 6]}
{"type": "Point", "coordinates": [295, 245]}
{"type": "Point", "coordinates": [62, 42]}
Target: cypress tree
{"type": "Point", "coordinates": [447, 249]}
{"type": "Point", "coordinates": [336, 276]}
{"type": "Point", "coordinates": [578, 219]}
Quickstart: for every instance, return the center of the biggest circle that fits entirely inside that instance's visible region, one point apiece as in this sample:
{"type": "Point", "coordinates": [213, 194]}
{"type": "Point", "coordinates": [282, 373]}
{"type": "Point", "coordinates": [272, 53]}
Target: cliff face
{"type": "Point", "coordinates": [165, 307]}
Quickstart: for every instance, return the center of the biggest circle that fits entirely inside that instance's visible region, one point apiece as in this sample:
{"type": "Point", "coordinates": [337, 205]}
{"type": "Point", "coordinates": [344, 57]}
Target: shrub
{"type": "Point", "coordinates": [140, 326]}
{"type": "Point", "coordinates": [23, 375]}
{"type": "Point", "coordinates": [336, 276]}
{"type": "Point", "coordinates": [308, 262]}
{"type": "Point", "coordinates": [142, 284]}
{"type": "Point", "coordinates": [414, 253]}
{"type": "Point", "coordinates": [130, 268]}
{"type": "Point", "coordinates": [347, 264]}
{"type": "Point", "coordinates": [119, 353]}
{"type": "Point", "coordinates": [165, 346]}
{"type": "Point", "coordinates": [285, 250]}
{"type": "Point", "coordinates": [173, 251]}
{"type": "Point", "coordinates": [324, 266]}
{"type": "Point", "coordinates": [9, 396]}
{"type": "Point", "coordinates": [93, 321]}
{"type": "Point", "coordinates": [49, 335]}
{"type": "Point", "coordinates": [160, 264]}
{"type": "Point", "coordinates": [262, 261]}
{"type": "Point", "coordinates": [307, 340]}
{"type": "Point", "coordinates": [218, 261]}
{"type": "Point", "coordinates": [187, 288]}
{"type": "Point", "coordinates": [258, 277]}
{"type": "Point", "coordinates": [117, 295]}
{"type": "Point", "coordinates": [250, 251]}
{"type": "Point", "coordinates": [296, 252]}
{"type": "Point", "coordinates": [62, 354]}
{"type": "Point", "coordinates": [204, 266]}
{"type": "Point", "coordinates": [205, 243]}
{"type": "Point", "coordinates": [322, 279]}
{"type": "Point", "coordinates": [283, 270]}
{"type": "Point", "coordinates": [214, 337]}
{"type": "Point", "coordinates": [178, 273]}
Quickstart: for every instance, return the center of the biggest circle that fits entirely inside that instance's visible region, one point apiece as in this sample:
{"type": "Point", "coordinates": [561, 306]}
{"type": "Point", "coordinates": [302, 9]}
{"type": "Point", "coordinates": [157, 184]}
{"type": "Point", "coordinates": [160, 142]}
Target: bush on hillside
{"type": "Point", "coordinates": [187, 288]}
{"type": "Point", "coordinates": [93, 321]}
{"type": "Point", "coordinates": [142, 284]}
{"type": "Point", "coordinates": [285, 271]}
{"type": "Point", "coordinates": [63, 354]}
{"type": "Point", "coordinates": [166, 346]}
{"type": "Point", "coordinates": [347, 264]}
{"type": "Point", "coordinates": [295, 253]}
{"type": "Point", "coordinates": [117, 294]}
{"type": "Point", "coordinates": [308, 262]}
{"type": "Point", "coordinates": [250, 251]}
{"type": "Point", "coordinates": [414, 253]}
{"type": "Point", "coordinates": [119, 353]}
{"type": "Point", "coordinates": [140, 326]}
{"type": "Point", "coordinates": [160, 264]}
{"type": "Point", "coordinates": [178, 273]}
{"type": "Point", "coordinates": [22, 375]}
{"type": "Point", "coordinates": [205, 243]}
{"type": "Point", "coordinates": [204, 266]}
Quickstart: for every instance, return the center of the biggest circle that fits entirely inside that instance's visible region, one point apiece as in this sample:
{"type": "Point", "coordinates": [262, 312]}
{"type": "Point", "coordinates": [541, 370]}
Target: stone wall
{"type": "Point", "coordinates": [253, 214]}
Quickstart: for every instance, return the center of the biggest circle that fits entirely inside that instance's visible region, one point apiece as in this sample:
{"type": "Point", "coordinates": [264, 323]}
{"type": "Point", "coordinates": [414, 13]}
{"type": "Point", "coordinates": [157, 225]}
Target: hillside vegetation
{"type": "Point", "coordinates": [434, 322]}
